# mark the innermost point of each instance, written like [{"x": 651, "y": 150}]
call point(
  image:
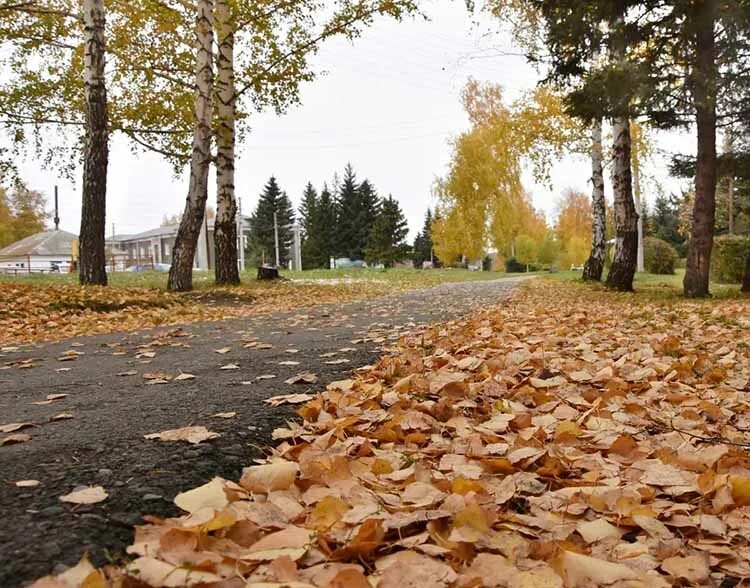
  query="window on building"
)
[{"x": 166, "y": 249}]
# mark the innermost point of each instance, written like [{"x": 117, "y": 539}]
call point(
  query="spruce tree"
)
[
  {"x": 327, "y": 226},
  {"x": 262, "y": 239},
  {"x": 308, "y": 208},
  {"x": 387, "y": 243},
  {"x": 358, "y": 207},
  {"x": 348, "y": 210},
  {"x": 423, "y": 245}
]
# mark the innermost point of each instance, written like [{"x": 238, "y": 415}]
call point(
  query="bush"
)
[
  {"x": 659, "y": 256},
  {"x": 513, "y": 266},
  {"x": 729, "y": 257}
]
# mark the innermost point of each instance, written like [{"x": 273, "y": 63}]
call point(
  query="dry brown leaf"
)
[
  {"x": 277, "y": 475},
  {"x": 14, "y": 439},
  {"x": 194, "y": 434}
]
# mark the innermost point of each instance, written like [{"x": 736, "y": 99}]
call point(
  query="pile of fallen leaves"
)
[
  {"x": 570, "y": 438},
  {"x": 46, "y": 312}
]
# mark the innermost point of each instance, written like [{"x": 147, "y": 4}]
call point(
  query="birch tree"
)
[
  {"x": 91, "y": 258},
  {"x": 183, "y": 256},
  {"x": 225, "y": 224},
  {"x": 594, "y": 267}
]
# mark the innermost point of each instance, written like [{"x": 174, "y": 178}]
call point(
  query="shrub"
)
[
  {"x": 659, "y": 257},
  {"x": 513, "y": 266},
  {"x": 728, "y": 258}
]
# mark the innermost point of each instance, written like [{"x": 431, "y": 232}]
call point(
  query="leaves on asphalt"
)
[
  {"x": 288, "y": 399},
  {"x": 558, "y": 440},
  {"x": 11, "y": 427},
  {"x": 86, "y": 495},
  {"x": 302, "y": 378},
  {"x": 193, "y": 434},
  {"x": 14, "y": 439}
]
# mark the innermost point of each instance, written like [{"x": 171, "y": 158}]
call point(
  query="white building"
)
[{"x": 47, "y": 251}]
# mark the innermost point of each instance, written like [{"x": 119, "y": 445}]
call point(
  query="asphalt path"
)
[{"x": 120, "y": 387}]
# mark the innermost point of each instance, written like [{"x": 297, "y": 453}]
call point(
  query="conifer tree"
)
[
  {"x": 262, "y": 246},
  {"x": 313, "y": 254},
  {"x": 387, "y": 243},
  {"x": 327, "y": 226},
  {"x": 348, "y": 210},
  {"x": 423, "y": 245}
]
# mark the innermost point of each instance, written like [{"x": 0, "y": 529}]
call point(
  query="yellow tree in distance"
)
[{"x": 481, "y": 201}]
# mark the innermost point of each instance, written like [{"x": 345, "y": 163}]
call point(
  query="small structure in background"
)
[{"x": 45, "y": 252}]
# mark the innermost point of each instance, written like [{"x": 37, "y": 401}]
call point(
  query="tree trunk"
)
[
  {"x": 92, "y": 263},
  {"x": 746, "y": 279},
  {"x": 594, "y": 267},
  {"x": 225, "y": 224},
  {"x": 704, "y": 208},
  {"x": 183, "y": 255},
  {"x": 623, "y": 267}
]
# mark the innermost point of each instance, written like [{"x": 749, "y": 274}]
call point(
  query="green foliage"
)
[
  {"x": 659, "y": 256},
  {"x": 664, "y": 222},
  {"x": 262, "y": 239},
  {"x": 387, "y": 244},
  {"x": 318, "y": 218},
  {"x": 423, "y": 247},
  {"x": 729, "y": 257},
  {"x": 358, "y": 207}
]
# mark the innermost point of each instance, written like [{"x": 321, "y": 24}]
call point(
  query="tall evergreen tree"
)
[
  {"x": 665, "y": 221},
  {"x": 262, "y": 245},
  {"x": 348, "y": 210},
  {"x": 387, "y": 243},
  {"x": 327, "y": 226},
  {"x": 358, "y": 207},
  {"x": 307, "y": 208},
  {"x": 423, "y": 245},
  {"x": 313, "y": 252}
]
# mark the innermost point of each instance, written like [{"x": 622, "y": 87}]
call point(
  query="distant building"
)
[
  {"x": 155, "y": 246},
  {"x": 48, "y": 251}
]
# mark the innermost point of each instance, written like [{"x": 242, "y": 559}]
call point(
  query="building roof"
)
[{"x": 44, "y": 243}]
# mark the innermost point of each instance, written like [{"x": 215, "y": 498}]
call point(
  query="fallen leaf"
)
[
  {"x": 302, "y": 378},
  {"x": 194, "y": 434},
  {"x": 184, "y": 376},
  {"x": 230, "y": 366},
  {"x": 88, "y": 495},
  {"x": 14, "y": 439},
  {"x": 10, "y": 427},
  {"x": 277, "y": 475},
  {"x": 27, "y": 483}
]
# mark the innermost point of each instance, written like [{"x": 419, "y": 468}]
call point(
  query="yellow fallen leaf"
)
[
  {"x": 277, "y": 475},
  {"x": 211, "y": 495},
  {"x": 89, "y": 495}
]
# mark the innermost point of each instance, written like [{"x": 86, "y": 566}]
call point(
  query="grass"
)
[
  {"x": 204, "y": 280},
  {"x": 662, "y": 287}
]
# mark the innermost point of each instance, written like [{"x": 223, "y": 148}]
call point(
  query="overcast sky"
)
[{"x": 388, "y": 103}]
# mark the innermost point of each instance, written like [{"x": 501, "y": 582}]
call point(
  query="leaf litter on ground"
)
[{"x": 567, "y": 438}]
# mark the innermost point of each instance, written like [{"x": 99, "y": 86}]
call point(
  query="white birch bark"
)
[
  {"x": 92, "y": 260},
  {"x": 181, "y": 272},
  {"x": 225, "y": 226}
]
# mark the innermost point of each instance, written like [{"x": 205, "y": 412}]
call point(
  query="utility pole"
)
[
  {"x": 297, "y": 246},
  {"x": 276, "y": 237},
  {"x": 57, "y": 212}
]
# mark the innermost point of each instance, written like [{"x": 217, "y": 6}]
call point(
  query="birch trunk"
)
[
  {"x": 704, "y": 208},
  {"x": 91, "y": 259},
  {"x": 621, "y": 272},
  {"x": 594, "y": 267},
  {"x": 183, "y": 255},
  {"x": 225, "y": 225}
]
